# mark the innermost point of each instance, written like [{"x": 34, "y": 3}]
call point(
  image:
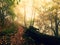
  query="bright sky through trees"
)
[
  {"x": 35, "y": 8},
  {"x": 27, "y": 7}
]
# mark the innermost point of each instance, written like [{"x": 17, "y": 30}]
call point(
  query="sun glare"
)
[
  {"x": 28, "y": 7},
  {"x": 25, "y": 7},
  {"x": 48, "y": 0}
]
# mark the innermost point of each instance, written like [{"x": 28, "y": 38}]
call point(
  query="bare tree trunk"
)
[{"x": 56, "y": 26}]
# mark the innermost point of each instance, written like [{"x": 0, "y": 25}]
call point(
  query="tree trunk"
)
[{"x": 56, "y": 26}]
